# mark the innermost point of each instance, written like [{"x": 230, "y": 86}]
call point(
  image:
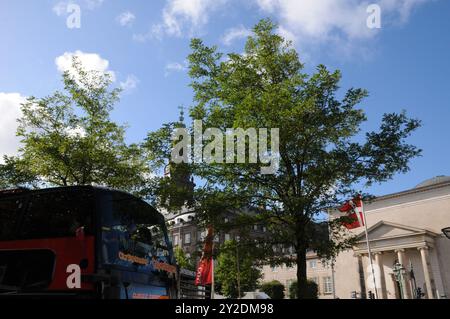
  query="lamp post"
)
[
  {"x": 446, "y": 232},
  {"x": 399, "y": 272}
]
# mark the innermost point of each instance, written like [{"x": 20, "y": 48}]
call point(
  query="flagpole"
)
[
  {"x": 368, "y": 249},
  {"x": 332, "y": 262},
  {"x": 212, "y": 278},
  {"x": 238, "y": 272}
]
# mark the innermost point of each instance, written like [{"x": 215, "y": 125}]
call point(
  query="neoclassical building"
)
[{"x": 409, "y": 250}]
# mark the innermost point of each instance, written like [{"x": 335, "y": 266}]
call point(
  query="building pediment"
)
[
  {"x": 390, "y": 236},
  {"x": 385, "y": 229}
]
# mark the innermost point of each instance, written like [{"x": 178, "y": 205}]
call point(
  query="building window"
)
[
  {"x": 175, "y": 240},
  {"x": 187, "y": 238},
  {"x": 227, "y": 237},
  {"x": 327, "y": 285},
  {"x": 313, "y": 264}
]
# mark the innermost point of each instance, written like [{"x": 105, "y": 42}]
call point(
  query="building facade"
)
[
  {"x": 185, "y": 233},
  {"x": 316, "y": 271},
  {"x": 410, "y": 254}
]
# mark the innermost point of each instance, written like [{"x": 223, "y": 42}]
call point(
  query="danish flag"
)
[
  {"x": 205, "y": 268},
  {"x": 354, "y": 209}
]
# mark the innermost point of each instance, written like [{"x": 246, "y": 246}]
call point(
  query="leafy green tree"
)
[
  {"x": 68, "y": 139},
  {"x": 312, "y": 292},
  {"x": 236, "y": 270},
  {"x": 14, "y": 172},
  {"x": 274, "y": 289},
  {"x": 182, "y": 260},
  {"x": 323, "y": 157}
]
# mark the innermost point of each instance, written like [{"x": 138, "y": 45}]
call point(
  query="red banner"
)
[{"x": 205, "y": 267}]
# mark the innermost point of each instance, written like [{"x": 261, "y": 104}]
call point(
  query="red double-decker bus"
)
[{"x": 115, "y": 242}]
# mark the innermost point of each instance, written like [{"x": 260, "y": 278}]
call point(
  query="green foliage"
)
[
  {"x": 182, "y": 260},
  {"x": 312, "y": 290},
  {"x": 226, "y": 271},
  {"x": 274, "y": 289},
  {"x": 324, "y": 159},
  {"x": 68, "y": 139}
]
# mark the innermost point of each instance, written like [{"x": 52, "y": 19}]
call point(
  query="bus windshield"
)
[{"x": 133, "y": 234}]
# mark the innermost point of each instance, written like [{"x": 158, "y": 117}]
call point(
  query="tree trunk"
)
[{"x": 302, "y": 288}]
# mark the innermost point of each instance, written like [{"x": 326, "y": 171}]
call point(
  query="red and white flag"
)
[
  {"x": 354, "y": 209},
  {"x": 205, "y": 268}
]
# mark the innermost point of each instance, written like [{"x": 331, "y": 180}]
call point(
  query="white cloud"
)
[
  {"x": 10, "y": 104},
  {"x": 126, "y": 19},
  {"x": 89, "y": 61},
  {"x": 233, "y": 34},
  {"x": 180, "y": 17},
  {"x": 155, "y": 32},
  {"x": 130, "y": 83},
  {"x": 175, "y": 67},
  {"x": 320, "y": 21},
  {"x": 286, "y": 34}
]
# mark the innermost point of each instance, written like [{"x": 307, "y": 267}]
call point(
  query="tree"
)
[
  {"x": 312, "y": 292},
  {"x": 68, "y": 139},
  {"x": 323, "y": 158},
  {"x": 274, "y": 289},
  {"x": 231, "y": 276},
  {"x": 182, "y": 260}
]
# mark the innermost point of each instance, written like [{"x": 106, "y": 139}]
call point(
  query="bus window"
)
[
  {"x": 58, "y": 214},
  {"x": 16, "y": 273},
  {"x": 133, "y": 233}
]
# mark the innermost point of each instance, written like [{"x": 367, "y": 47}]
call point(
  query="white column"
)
[
  {"x": 362, "y": 277},
  {"x": 429, "y": 281},
  {"x": 405, "y": 283},
  {"x": 382, "y": 293}
]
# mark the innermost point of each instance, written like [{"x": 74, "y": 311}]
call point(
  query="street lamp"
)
[
  {"x": 446, "y": 232},
  {"x": 399, "y": 273}
]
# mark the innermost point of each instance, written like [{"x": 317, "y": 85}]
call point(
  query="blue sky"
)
[{"x": 405, "y": 64}]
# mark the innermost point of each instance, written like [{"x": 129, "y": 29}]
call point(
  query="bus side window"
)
[{"x": 57, "y": 214}]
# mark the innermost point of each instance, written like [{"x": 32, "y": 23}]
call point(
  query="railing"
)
[{"x": 187, "y": 287}]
